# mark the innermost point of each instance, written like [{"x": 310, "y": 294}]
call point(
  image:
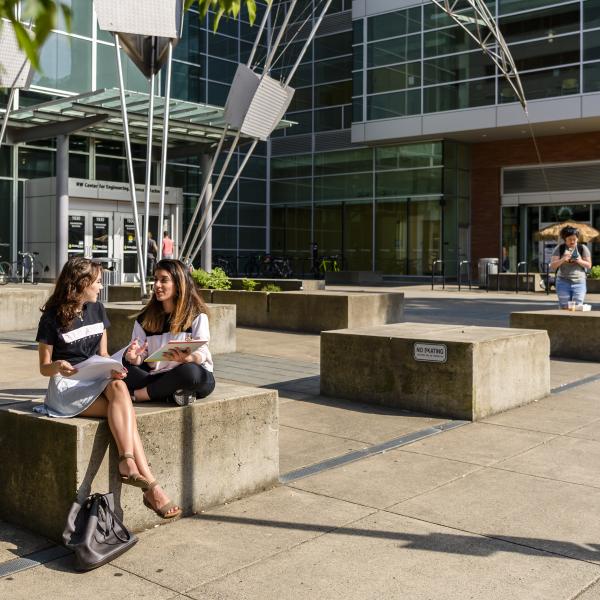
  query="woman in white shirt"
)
[{"x": 175, "y": 312}]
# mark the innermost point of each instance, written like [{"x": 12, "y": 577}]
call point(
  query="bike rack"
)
[
  {"x": 433, "y": 275},
  {"x": 519, "y": 265},
  {"x": 460, "y": 266}
]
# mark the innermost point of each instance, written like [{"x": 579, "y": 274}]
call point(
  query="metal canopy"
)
[{"x": 98, "y": 114}]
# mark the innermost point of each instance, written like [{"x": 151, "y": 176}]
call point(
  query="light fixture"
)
[{"x": 550, "y": 36}]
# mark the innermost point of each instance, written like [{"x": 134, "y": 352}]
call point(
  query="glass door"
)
[
  {"x": 101, "y": 235},
  {"x": 76, "y": 243}
]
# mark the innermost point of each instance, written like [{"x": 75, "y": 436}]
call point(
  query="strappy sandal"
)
[
  {"x": 135, "y": 479},
  {"x": 162, "y": 511}
]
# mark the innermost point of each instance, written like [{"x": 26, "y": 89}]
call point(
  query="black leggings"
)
[{"x": 188, "y": 376}]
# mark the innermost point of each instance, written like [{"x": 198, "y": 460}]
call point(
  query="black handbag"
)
[{"x": 95, "y": 533}]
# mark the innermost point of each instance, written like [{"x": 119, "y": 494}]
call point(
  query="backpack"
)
[
  {"x": 561, "y": 251},
  {"x": 563, "y": 247}
]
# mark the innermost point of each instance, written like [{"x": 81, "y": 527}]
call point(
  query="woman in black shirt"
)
[{"x": 71, "y": 330}]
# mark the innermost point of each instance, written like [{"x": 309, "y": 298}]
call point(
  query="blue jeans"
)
[{"x": 570, "y": 290}]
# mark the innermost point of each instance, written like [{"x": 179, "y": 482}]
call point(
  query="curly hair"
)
[
  {"x": 77, "y": 274},
  {"x": 188, "y": 302}
]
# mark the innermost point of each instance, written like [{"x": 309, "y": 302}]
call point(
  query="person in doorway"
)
[
  {"x": 72, "y": 329},
  {"x": 175, "y": 312},
  {"x": 505, "y": 260},
  {"x": 167, "y": 246},
  {"x": 151, "y": 254},
  {"x": 570, "y": 261}
]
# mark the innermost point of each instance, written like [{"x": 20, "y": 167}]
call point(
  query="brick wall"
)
[{"x": 488, "y": 158}]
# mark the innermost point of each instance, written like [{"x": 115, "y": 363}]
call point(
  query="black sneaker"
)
[{"x": 184, "y": 397}]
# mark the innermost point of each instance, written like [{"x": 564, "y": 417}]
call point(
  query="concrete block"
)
[
  {"x": 124, "y": 293},
  {"x": 455, "y": 371},
  {"x": 206, "y": 295},
  {"x": 508, "y": 282},
  {"x": 354, "y": 277},
  {"x": 216, "y": 450},
  {"x": 221, "y": 318},
  {"x": 20, "y": 306},
  {"x": 319, "y": 311},
  {"x": 572, "y": 334},
  {"x": 252, "y": 307}
]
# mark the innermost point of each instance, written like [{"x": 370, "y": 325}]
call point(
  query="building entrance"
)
[{"x": 100, "y": 223}]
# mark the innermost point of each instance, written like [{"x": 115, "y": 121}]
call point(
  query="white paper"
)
[{"x": 96, "y": 367}]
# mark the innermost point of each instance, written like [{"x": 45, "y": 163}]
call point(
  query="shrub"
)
[
  {"x": 595, "y": 272},
  {"x": 249, "y": 285},
  {"x": 270, "y": 287},
  {"x": 215, "y": 280}
]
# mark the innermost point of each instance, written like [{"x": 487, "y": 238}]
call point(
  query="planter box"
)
[
  {"x": 593, "y": 286},
  {"x": 286, "y": 285},
  {"x": 221, "y": 320},
  {"x": 252, "y": 307}
]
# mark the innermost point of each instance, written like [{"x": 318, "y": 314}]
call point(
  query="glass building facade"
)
[{"x": 392, "y": 206}]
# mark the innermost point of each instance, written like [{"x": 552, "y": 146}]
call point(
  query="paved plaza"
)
[{"x": 374, "y": 502}]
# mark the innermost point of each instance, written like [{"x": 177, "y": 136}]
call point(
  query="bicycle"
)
[
  {"x": 276, "y": 267},
  {"x": 23, "y": 270},
  {"x": 329, "y": 264},
  {"x": 224, "y": 264},
  {"x": 252, "y": 266}
]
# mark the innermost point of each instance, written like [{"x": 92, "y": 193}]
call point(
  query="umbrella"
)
[{"x": 586, "y": 232}]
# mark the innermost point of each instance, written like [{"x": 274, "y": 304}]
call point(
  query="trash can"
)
[
  {"x": 111, "y": 275},
  {"x": 484, "y": 270}
]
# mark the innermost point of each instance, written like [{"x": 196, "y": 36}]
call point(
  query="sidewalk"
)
[{"x": 505, "y": 508}]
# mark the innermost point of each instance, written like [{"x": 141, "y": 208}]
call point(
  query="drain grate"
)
[
  {"x": 32, "y": 560},
  {"x": 332, "y": 463}
]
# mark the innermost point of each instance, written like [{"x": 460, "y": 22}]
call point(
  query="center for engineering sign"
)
[{"x": 430, "y": 352}]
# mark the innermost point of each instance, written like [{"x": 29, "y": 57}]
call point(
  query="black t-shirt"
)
[{"x": 79, "y": 341}]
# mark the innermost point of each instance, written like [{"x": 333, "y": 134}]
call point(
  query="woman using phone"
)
[
  {"x": 72, "y": 329},
  {"x": 570, "y": 261},
  {"x": 175, "y": 312}
]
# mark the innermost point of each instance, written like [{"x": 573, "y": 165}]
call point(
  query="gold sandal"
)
[
  {"x": 135, "y": 479},
  {"x": 162, "y": 511}
]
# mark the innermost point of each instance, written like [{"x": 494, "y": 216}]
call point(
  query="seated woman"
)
[
  {"x": 570, "y": 261},
  {"x": 71, "y": 330},
  {"x": 175, "y": 312}
]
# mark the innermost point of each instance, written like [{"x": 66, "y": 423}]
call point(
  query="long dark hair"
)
[
  {"x": 188, "y": 302},
  {"x": 77, "y": 274}
]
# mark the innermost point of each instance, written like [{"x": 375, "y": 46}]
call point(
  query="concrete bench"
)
[
  {"x": 214, "y": 451},
  {"x": 455, "y": 371},
  {"x": 221, "y": 318},
  {"x": 313, "y": 312},
  {"x": 20, "y": 306},
  {"x": 572, "y": 334}
]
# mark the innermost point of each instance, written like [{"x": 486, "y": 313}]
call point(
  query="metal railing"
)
[{"x": 443, "y": 273}]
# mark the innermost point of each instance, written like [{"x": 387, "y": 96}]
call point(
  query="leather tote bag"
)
[{"x": 95, "y": 533}]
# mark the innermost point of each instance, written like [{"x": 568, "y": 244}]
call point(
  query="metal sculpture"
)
[
  {"x": 147, "y": 30},
  {"x": 15, "y": 70},
  {"x": 485, "y": 32}
]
